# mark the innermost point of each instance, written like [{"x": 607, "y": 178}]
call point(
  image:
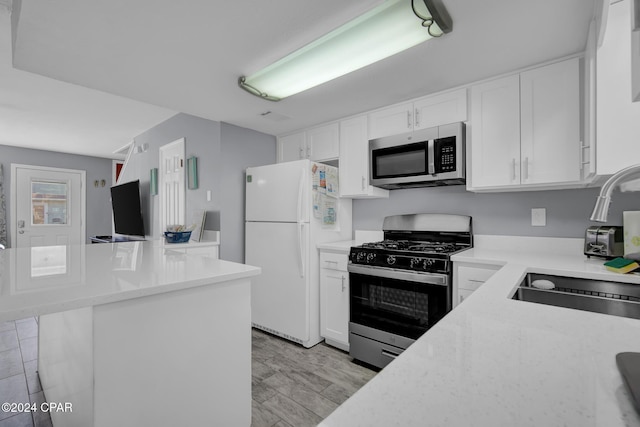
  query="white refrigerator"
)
[{"x": 290, "y": 208}]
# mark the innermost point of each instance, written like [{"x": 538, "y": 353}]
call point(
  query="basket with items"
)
[{"x": 178, "y": 233}]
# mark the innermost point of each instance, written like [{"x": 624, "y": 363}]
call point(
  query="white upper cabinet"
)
[
  {"x": 440, "y": 109},
  {"x": 550, "y": 123},
  {"x": 436, "y": 110},
  {"x": 617, "y": 117},
  {"x": 354, "y": 160},
  {"x": 495, "y": 133},
  {"x": 323, "y": 143},
  {"x": 525, "y": 129},
  {"x": 318, "y": 144},
  {"x": 292, "y": 147},
  {"x": 391, "y": 121}
]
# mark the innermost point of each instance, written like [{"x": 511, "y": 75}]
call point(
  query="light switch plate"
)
[{"x": 539, "y": 217}]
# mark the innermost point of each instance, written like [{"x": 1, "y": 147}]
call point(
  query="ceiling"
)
[
  {"x": 42, "y": 113},
  {"x": 187, "y": 56}
]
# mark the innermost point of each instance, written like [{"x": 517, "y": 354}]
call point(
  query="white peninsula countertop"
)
[
  {"x": 494, "y": 361},
  {"x": 128, "y": 328},
  {"x": 50, "y": 279}
]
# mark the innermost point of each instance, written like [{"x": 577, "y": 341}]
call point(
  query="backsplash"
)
[{"x": 506, "y": 213}]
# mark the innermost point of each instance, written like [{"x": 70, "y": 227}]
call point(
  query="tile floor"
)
[
  {"x": 291, "y": 385},
  {"x": 19, "y": 382},
  {"x": 298, "y": 387}
]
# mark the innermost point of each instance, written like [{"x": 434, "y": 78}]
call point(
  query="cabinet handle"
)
[
  {"x": 513, "y": 169},
  {"x": 417, "y": 113},
  {"x": 362, "y": 182},
  {"x": 526, "y": 168},
  {"x": 409, "y": 119},
  {"x": 308, "y": 152},
  {"x": 343, "y": 286},
  {"x": 301, "y": 153}
]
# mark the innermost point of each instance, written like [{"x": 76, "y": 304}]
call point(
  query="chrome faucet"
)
[{"x": 601, "y": 209}]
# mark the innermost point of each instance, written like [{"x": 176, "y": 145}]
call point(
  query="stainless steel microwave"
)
[{"x": 424, "y": 158}]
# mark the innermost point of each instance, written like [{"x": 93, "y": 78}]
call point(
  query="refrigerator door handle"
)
[
  {"x": 300, "y": 247},
  {"x": 300, "y": 195}
]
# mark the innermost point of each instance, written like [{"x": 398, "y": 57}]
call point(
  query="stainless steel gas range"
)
[{"x": 402, "y": 286}]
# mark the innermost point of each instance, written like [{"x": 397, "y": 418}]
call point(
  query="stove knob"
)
[
  {"x": 361, "y": 256},
  {"x": 391, "y": 259},
  {"x": 427, "y": 263},
  {"x": 415, "y": 263},
  {"x": 370, "y": 258}
]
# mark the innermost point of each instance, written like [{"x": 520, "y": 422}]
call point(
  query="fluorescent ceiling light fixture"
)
[{"x": 388, "y": 29}]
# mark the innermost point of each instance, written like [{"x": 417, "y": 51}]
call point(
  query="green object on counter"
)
[{"x": 621, "y": 265}]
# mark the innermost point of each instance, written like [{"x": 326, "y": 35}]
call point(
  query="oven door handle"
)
[{"x": 393, "y": 273}]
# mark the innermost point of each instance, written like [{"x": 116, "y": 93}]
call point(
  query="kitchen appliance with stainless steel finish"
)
[
  {"x": 402, "y": 286},
  {"x": 423, "y": 158},
  {"x": 604, "y": 241}
]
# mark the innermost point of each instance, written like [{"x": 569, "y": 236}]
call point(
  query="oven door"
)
[{"x": 406, "y": 305}]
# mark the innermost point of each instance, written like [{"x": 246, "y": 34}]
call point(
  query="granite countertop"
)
[
  {"x": 50, "y": 279},
  {"x": 494, "y": 361}
]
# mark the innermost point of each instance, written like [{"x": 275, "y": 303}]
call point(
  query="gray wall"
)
[
  {"x": 224, "y": 151},
  {"x": 98, "y": 199},
  {"x": 202, "y": 139},
  {"x": 241, "y": 148},
  {"x": 568, "y": 211}
]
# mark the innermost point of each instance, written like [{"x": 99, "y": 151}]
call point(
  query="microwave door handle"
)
[{"x": 431, "y": 168}]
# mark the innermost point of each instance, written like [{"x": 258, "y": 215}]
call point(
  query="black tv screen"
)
[{"x": 127, "y": 212}]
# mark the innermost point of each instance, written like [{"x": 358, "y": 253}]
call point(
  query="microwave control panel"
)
[{"x": 445, "y": 153}]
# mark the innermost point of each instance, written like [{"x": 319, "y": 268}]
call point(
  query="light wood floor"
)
[{"x": 298, "y": 387}]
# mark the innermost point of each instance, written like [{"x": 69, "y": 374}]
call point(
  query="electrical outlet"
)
[{"x": 539, "y": 217}]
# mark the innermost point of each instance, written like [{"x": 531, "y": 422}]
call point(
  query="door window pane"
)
[{"x": 49, "y": 203}]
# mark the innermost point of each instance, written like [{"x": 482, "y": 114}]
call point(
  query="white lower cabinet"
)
[
  {"x": 334, "y": 299},
  {"x": 468, "y": 277}
]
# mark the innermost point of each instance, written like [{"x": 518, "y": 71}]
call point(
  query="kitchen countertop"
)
[
  {"x": 50, "y": 279},
  {"x": 494, "y": 361}
]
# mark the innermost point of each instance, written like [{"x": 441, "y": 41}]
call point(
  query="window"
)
[{"x": 49, "y": 203}]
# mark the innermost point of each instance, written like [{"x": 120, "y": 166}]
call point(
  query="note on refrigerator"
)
[{"x": 329, "y": 211}]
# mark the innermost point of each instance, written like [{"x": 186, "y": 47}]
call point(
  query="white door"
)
[
  {"x": 278, "y": 193},
  {"x": 48, "y": 206},
  {"x": 391, "y": 121},
  {"x": 323, "y": 143},
  {"x": 172, "y": 184},
  {"x": 335, "y": 304},
  {"x": 550, "y": 120},
  {"x": 292, "y": 147},
  {"x": 280, "y": 294},
  {"x": 495, "y": 133},
  {"x": 441, "y": 109}
]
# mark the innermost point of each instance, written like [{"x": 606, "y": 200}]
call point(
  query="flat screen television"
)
[{"x": 127, "y": 211}]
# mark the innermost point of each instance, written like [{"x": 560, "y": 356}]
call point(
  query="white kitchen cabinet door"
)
[
  {"x": 617, "y": 123},
  {"x": 291, "y": 147},
  {"x": 440, "y": 109},
  {"x": 495, "y": 133},
  {"x": 391, "y": 121},
  {"x": 323, "y": 143},
  {"x": 354, "y": 160},
  {"x": 334, "y": 299},
  {"x": 550, "y": 123},
  {"x": 335, "y": 305}
]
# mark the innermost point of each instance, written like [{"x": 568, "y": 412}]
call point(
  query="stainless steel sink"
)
[{"x": 599, "y": 296}]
